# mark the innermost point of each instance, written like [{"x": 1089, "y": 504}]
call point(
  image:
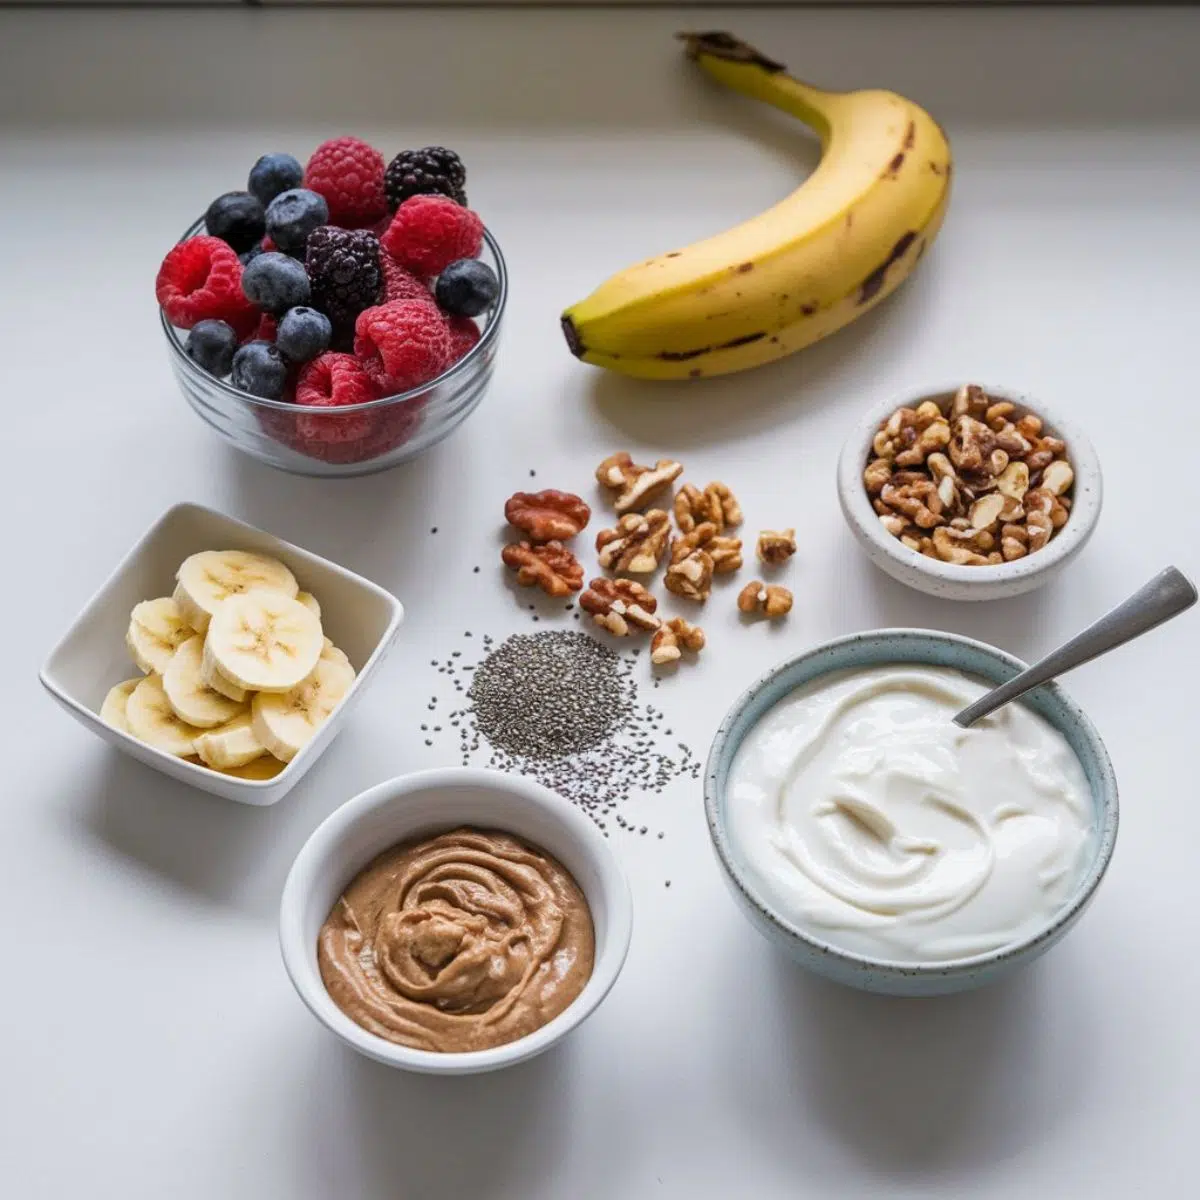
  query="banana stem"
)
[{"x": 738, "y": 66}]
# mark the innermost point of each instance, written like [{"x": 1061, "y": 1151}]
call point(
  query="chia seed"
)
[{"x": 562, "y": 707}]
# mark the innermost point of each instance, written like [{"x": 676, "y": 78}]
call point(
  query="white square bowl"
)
[{"x": 358, "y": 615}]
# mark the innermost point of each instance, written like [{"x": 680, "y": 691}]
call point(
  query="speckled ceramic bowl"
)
[
  {"x": 928, "y": 649},
  {"x": 948, "y": 580}
]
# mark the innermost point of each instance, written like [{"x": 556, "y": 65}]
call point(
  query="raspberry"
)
[
  {"x": 349, "y": 174},
  {"x": 343, "y": 265},
  {"x": 464, "y": 333},
  {"x": 264, "y": 332},
  {"x": 201, "y": 280},
  {"x": 402, "y": 344},
  {"x": 430, "y": 232},
  {"x": 401, "y": 284},
  {"x": 333, "y": 381}
]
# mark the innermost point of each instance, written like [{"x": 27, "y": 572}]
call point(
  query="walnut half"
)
[
  {"x": 637, "y": 543},
  {"x": 769, "y": 599},
  {"x": 776, "y": 547},
  {"x": 635, "y": 485},
  {"x": 550, "y": 566},
  {"x": 547, "y": 516},
  {"x": 672, "y": 638},
  {"x": 619, "y": 605}
]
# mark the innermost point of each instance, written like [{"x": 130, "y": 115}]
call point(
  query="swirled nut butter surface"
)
[
  {"x": 459, "y": 942},
  {"x": 871, "y": 821}
]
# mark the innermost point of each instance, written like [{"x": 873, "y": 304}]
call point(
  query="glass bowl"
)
[{"x": 357, "y": 439}]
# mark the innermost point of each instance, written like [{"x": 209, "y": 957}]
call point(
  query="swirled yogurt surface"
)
[{"x": 867, "y": 818}]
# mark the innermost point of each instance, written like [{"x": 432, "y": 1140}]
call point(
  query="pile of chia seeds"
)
[{"x": 563, "y": 708}]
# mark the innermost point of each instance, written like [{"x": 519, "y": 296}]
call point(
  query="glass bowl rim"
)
[{"x": 488, "y": 335}]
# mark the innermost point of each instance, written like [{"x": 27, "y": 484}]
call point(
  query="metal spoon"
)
[{"x": 1164, "y": 597}]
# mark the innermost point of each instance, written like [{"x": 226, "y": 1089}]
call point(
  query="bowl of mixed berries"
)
[{"x": 340, "y": 317}]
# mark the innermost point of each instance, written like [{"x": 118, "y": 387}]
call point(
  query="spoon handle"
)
[{"x": 1164, "y": 597}]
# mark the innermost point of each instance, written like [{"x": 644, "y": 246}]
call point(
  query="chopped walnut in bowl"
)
[{"x": 969, "y": 492}]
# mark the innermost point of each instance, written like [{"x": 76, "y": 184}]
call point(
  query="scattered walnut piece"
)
[
  {"x": 775, "y": 547},
  {"x": 974, "y": 467},
  {"x": 725, "y": 552},
  {"x": 635, "y": 485},
  {"x": 619, "y": 604},
  {"x": 547, "y": 516},
  {"x": 716, "y": 504},
  {"x": 690, "y": 575},
  {"x": 550, "y": 566},
  {"x": 767, "y": 598},
  {"x": 637, "y": 544},
  {"x": 672, "y": 638}
]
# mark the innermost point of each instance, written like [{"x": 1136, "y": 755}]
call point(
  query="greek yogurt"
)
[{"x": 869, "y": 820}]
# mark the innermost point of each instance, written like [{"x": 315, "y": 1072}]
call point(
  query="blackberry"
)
[
  {"x": 433, "y": 169},
  {"x": 343, "y": 266}
]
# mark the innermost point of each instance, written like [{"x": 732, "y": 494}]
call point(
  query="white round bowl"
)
[
  {"x": 948, "y": 580},
  {"x": 426, "y": 803}
]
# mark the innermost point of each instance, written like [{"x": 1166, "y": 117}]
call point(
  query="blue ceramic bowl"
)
[{"x": 927, "y": 648}]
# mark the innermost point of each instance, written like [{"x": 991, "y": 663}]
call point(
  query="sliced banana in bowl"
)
[
  {"x": 157, "y": 628},
  {"x": 151, "y": 719},
  {"x": 264, "y": 641},
  {"x": 286, "y": 723},
  {"x": 233, "y": 744},
  {"x": 112, "y": 711},
  {"x": 206, "y": 580},
  {"x": 191, "y": 699}
]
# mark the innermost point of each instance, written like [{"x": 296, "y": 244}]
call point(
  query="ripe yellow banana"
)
[{"x": 834, "y": 248}]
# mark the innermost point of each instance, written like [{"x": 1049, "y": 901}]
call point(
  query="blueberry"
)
[
  {"x": 303, "y": 333},
  {"x": 292, "y": 216},
  {"x": 467, "y": 287},
  {"x": 275, "y": 282},
  {"x": 274, "y": 173},
  {"x": 237, "y": 218},
  {"x": 210, "y": 345},
  {"x": 258, "y": 368}
]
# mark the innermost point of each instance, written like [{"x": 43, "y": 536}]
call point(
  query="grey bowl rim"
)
[
  {"x": 459, "y": 369},
  {"x": 1108, "y": 816},
  {"x": 864, "y": 522}
]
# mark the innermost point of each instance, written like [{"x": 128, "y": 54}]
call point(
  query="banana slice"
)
[
  {"x": 151, "y": 720},
  {"x": 206, "y": 580},
  {"x": 264, "y": 641},
  {"x": 286, "y": 724},
  {"x": 191, "y": 699},
  {"x": 157, "y": 628},
  {"x": 310, "y": 602},
  {"x": 233, "y": 744},
  {"x": 265, "y": 767},
  {"x": 112, "y": 711},
  {"x": 212, "y": 677}
]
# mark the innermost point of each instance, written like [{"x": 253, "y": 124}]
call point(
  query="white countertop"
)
[{"x": 153, "y": 1044}]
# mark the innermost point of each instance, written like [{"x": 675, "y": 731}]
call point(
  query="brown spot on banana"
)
[
  {"x": 871, "y": 286},
  {"x": 910, "y": 135},
  {"x": 742, "y": 268},
  {"x": 673, "y": 254},
  {"x": 809, "y": 308},
  {"x": 893, "y": 167},
  {"x": 685, "y": 355}
]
